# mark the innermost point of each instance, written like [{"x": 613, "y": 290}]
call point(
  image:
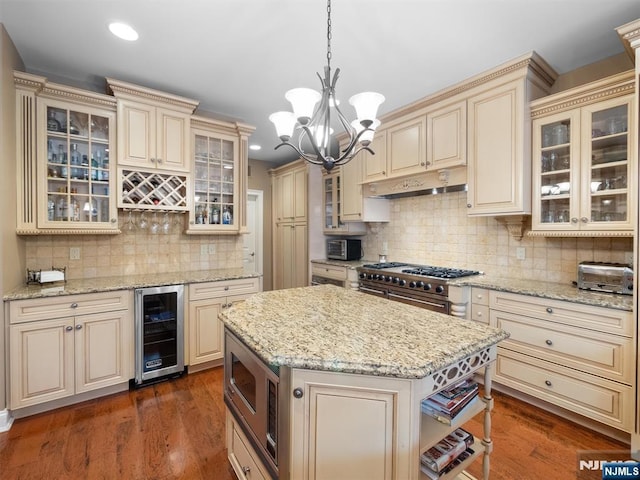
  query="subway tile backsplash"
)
[
  {"x": 435, "y": 229},
  {"x": 139, "y": 252}
]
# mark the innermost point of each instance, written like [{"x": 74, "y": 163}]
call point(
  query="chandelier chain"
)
[{"x": 328, "y": 32}]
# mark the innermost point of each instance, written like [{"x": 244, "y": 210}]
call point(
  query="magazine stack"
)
[
  {"x": 447, "y": 404},
  {"x": 447, "y": 454}
]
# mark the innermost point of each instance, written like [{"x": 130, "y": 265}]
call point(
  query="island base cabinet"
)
[
  {"x": 372, "y": 416},
  {"x": 241, "y": 456}
]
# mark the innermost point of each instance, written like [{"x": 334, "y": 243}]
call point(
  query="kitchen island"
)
[{"x": 353, "y": 370}]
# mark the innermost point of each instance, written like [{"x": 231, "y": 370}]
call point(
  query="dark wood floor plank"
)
[{"x": 175, "y": 430}]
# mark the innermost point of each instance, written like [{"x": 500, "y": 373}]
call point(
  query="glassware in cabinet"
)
[
  {"x": 215, "y": 171},
  {"x": 77, "y": 169},
  {"x": 609, "y": 166}
]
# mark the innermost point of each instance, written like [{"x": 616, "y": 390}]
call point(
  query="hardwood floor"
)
[{"x": 175, "y": 430}]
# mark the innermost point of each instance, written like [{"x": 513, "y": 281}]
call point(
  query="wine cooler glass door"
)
[{"x": 159, "y": 332}]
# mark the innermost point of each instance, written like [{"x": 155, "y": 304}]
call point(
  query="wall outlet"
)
[
  {"x": 212, "y": 249},
  {"x": 385, "y": 248},
  {"x": 521, "y": 253},
  {"x": 204, "y": 250},
  {"x": 74, "y": 253}
]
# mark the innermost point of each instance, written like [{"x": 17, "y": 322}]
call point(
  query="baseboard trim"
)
[{"x": 6, "y": 420}]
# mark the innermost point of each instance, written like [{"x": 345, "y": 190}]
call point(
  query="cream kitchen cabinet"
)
[
  {"x": 382, "y": 429},
  {"x": 241, "y": 454},
  {"x": 290, "y": 232},
  {"x": 480, "y": 305},
  {"x": 499, "y": 165},
  {"x": 578, "y": 357},
  {"x": 447, "y": 136},
  {"x": 205, "y": 331},
  {"x": 406, "y": 147},
  {"x": 583, "y": 156},
  {"x": 153, "y": 128},
  {"x": 291, "y": 254},
  {"x": 66, "y": 179},
  {"x": 219, "y": 169},
  {"x": 332, "y": 198},
  {"x": 69, "y": 345},
  {"x": 374, "y": 167}
]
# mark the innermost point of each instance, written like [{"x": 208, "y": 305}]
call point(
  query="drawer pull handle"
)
[
  {"x": 548, "y": 342},
  {"x": 74, "y": 305},
  {"x": 246, "y": 470},
  {"x": 68, "y": 328},
  {"x": 549, "y": 310},
  {"x": 547, "y": 383}
]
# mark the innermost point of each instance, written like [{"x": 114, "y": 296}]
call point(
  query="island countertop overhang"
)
[{"x": 340, "y": 330}]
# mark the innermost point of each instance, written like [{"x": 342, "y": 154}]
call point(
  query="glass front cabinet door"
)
[
  {"x": 75, "y": 173},
  {"x": 581, "y": 165},
  {"x": 215, "y": 183}
]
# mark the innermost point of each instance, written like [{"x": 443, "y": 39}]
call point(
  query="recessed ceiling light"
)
[
  {"x": 254, "y": 147},
  {"x": 123, "y": 31}
]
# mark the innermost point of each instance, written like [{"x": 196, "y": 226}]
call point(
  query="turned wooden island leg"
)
[{"x": 486, "y": 440}]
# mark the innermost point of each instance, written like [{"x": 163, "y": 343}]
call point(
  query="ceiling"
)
[{"x": 238, "y": 57}]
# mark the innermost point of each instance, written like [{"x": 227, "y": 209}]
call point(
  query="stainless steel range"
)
[{"x": 424, "y": 286}]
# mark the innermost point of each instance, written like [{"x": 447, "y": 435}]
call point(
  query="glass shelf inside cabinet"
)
[
  {"x": 609, "y": 165},
  {"x": 214, "y": 181},
  {"x": 77, "y": 167}
]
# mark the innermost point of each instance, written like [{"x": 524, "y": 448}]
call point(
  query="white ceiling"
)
[{"x": 238, "y": 57}]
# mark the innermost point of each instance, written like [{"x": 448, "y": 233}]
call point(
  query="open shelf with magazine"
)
[{"x": 446, "y": 448}]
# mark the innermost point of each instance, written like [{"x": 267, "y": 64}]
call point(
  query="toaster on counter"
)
[{"x": 606, "y": 277}]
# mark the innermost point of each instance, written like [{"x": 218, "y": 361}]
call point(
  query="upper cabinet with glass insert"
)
[
  {"x": 65, "y": 168},
  {"x": 582, "y": 160},
  {"x": 219, "y": 176}
]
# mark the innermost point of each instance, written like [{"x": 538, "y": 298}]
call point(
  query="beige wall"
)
[
  {"x": 12, "y": 249},
  {"x": 259, "y": 179},
  {"x": 435, "y": 229}
]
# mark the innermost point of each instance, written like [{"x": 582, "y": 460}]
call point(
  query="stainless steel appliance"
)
[
  {"x": 606, "y": 277},
  {"x": 159, "y": 319},
  {"x": 251, "y": 392},
  {"x": 344, "y": 248},
  {"x": 424, "y": 286}
]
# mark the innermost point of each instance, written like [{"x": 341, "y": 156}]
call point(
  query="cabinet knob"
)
[
  {"x": 298, "y": 393},
  {"x": 468, "y": 205},
  {"x": 73, "y": 305},
  {"x": 479, "y": 314},
  {"x": 574, "y": 220},
  {"x": 549, "y": 310},
  {"x": 422, "y": 164},
  {"x": 548, "y": 342},
  {"x": 79, "y": 327},
  {"x": 159, "y": 160},
  {"x": 584, "y": 219},
  {"x": 227, "y": 287},
  {"x": 246, "y": 470},
  {"x": 68, "y": 328},
  {"x": 547, "y": 383},
  {"x": 114, "y": 220},
  {"x": 384, "y": 173}
]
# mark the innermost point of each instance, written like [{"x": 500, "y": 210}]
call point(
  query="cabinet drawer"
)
[
  {"x": 68, "y": 305},
  {"x": 603, "y": 354},
  {"x": 241, "y": 455},
  {"x": 329, "y": 271},
  {"x": 602, "y": 319},
  {"x": 607, "y": 402},
  {"x": 479, "y": 296},
  {"x": 199, "y": 291},
  {"x": 480, "y": 313}
]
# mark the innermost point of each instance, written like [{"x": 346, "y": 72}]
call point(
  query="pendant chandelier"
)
[{"x": 312, "y": 124}]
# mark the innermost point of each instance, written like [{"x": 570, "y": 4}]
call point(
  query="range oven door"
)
[
  {"x": 418, "y": 299},
  {"x": 251, "y": 393},
  {"x": 373, "y": 289}
]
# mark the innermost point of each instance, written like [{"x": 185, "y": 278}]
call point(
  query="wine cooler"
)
[{"x": 159, "y": 317}]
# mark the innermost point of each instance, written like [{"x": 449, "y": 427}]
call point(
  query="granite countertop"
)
[
  {"x": 342, "y": 330},
  {"x": 551, "y": 290},
  {"x": 125, "y": 282},
  {"x": 351, "y": 264}
]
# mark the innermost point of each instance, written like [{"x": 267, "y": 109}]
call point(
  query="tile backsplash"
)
[
  {"x": 139, "y": 252},
  {"x": 435, "y": 229}
]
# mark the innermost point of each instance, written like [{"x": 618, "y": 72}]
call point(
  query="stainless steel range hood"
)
[{"x": 427, "y": 183}]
